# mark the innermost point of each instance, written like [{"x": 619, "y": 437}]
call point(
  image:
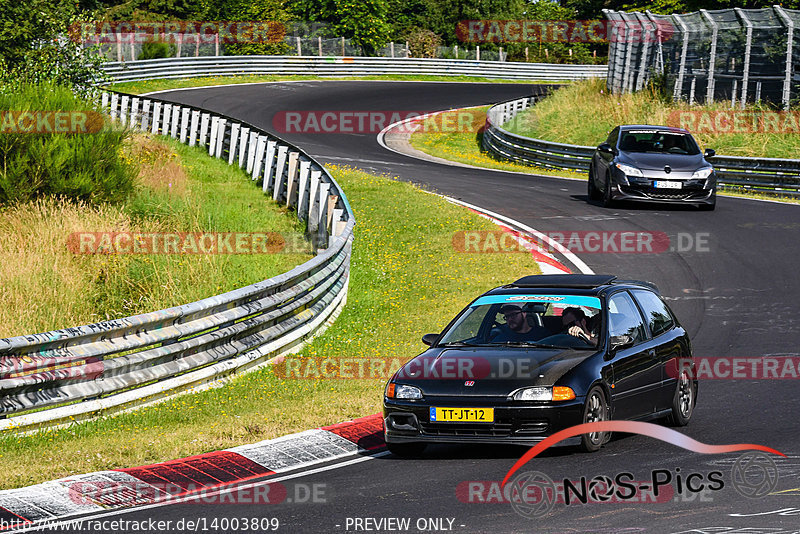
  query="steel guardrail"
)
[
  {"x": 763, "y": 175},
  {"x": 65, "y": 375},
  {"x": 344, "y": 66}
]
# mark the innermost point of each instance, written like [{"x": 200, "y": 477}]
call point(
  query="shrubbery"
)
[
  {"x": 86, "y": 166},
  {"x": 157, "y": 50}
]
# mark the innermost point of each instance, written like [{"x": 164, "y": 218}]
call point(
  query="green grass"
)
[
  {"x": 407, "y": 279},
  {"x": 583, "y": 114},
  {"x": 148, "y": 86},
  {"x": 465, "y": 147},
  {"x": 178, "y": 189}
]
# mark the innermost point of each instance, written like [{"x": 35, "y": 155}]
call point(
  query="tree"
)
[{"x": 364, "y": 22}]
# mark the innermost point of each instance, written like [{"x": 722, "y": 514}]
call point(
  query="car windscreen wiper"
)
[{"x": 461, "y": 344}]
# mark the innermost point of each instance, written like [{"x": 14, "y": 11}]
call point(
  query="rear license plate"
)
[
  {"x": 661, "y": 184},
  {"x": 462, "y": 415}
]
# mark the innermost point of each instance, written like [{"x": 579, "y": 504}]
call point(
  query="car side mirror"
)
[
  {"x": 429, "y": 339},
  {"x": 709, "y": 153},
  {"x": 620, "y": 342},
  {"x": 605, "y": 148}
]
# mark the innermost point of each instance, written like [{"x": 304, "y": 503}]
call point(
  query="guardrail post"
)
[
  {"x": 114, "y": 101},
  {"x": 212, "y": 142},
  {"x": 280, "y": 167},
  {"x": 123, "y": 110},
  {"x": 135, "y": 112},
  {"x": 291, "y": 180},
  {"x": 204, "y": 119},
  {"x": 193, "y": 131},
  {"x": 259, "y": 158},
  {"x": 232, "y": 146},
  {"x": 156, "y": 118},
  {"x": 322, "y": 222},
  {"x": 302, "y": 190},
  {"x": 313, "y": 206},
  {"x": 338, "y": 223},
  {"x": 185, "y": 113},
  {"x": 104, "y": 101},
  {"x": 146, "y": 114},
  {"x": 251, "y": 151},
  {"x": 221, "y": 127},
  {"x": 243, "y": 138},
  {"x": 176, "y": 117},
  {"x": 165, "y": 119},
  {"x": 269, "y": 172}
]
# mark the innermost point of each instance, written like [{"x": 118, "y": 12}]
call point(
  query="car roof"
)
[
  {"x": 571, "y": 284},
  {"x": 626, "y": 127}
]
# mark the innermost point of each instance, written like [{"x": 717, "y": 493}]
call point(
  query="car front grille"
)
[
  {"x": 665, "y": 194},
  {"x": 497, "y": 429}
]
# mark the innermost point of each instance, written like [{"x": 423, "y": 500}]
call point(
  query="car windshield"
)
[
  {"x": 658, "y": 141},
  {"x": 534, "y": 320}
]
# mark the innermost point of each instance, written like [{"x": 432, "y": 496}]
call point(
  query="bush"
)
[
  {"x": 84, "y": 166},
  {"x": 423, "y": 43},
  {"x": 157, "y": 50}
]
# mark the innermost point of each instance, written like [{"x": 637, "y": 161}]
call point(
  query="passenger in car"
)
[{"x": 576, "y": 323}]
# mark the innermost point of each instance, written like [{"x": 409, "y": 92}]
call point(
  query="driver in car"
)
[
  {"x": 576, "y": 324},
  {"x": 518, "y": 325}
]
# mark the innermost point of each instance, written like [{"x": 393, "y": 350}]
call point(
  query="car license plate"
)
[
  {"x": 661, "y": 184},
  {"x": 462, "y": 415}
]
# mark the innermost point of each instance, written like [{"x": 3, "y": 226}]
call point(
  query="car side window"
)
[
  {"x": 613, "y": 136},
  {"x": 624, "y": 318},
  {"x": 655, "y": 311}
]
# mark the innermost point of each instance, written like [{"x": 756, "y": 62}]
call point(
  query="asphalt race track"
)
[{"x": 737, "y": 295}]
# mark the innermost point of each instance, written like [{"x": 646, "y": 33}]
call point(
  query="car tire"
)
[
  {"x": 683, "y": 401},
  {"x": 608, "y": 201},
  {"x": 406, "y": 450},
  {"x": 592, "y": 191},
  {"x": 595, "y": 409}
]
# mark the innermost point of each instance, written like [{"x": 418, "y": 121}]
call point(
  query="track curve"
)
[{"x": 738, "y": 298}]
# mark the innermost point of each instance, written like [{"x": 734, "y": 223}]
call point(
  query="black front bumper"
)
[
  {"x": 692, "y": 192},
  {"x": 518, "y": 424}
]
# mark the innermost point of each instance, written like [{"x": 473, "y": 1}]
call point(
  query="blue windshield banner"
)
[{"x": 557, "y": 300}]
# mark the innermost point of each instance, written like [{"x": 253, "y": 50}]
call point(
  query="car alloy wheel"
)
[
  {"x": 683, "y": 401},
  {"x": 595, "y": 409}
]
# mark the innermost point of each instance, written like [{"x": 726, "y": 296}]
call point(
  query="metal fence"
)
[
  {"x": 736, "y": 55},
  {"x": 128, "y": 46},
  {"x": 764, "y": 175},
  {"x": 111, "y": 365},
  {"x": 345, "y": 66}
]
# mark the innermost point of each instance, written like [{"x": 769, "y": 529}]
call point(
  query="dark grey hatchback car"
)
[{"x": 652, "y": 163}]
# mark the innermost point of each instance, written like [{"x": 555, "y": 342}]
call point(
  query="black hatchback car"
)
[
  {"x": 544, "y": 353},
  {"x": 652, "y": 163}
]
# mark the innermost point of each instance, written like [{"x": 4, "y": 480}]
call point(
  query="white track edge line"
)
[{"x": 65, "y": 521}]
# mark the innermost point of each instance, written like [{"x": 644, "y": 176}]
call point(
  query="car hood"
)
[
  {"x": 653, "y": 161},
  {"x": 495, "y": 371}
]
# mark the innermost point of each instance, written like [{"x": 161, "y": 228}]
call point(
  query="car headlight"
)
[
  {"x": 400, "y": 391},
  {"x": 629, "y": 170},
  {"x": 703, "y": 173},
  {"x": 556, "y": 393}
]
